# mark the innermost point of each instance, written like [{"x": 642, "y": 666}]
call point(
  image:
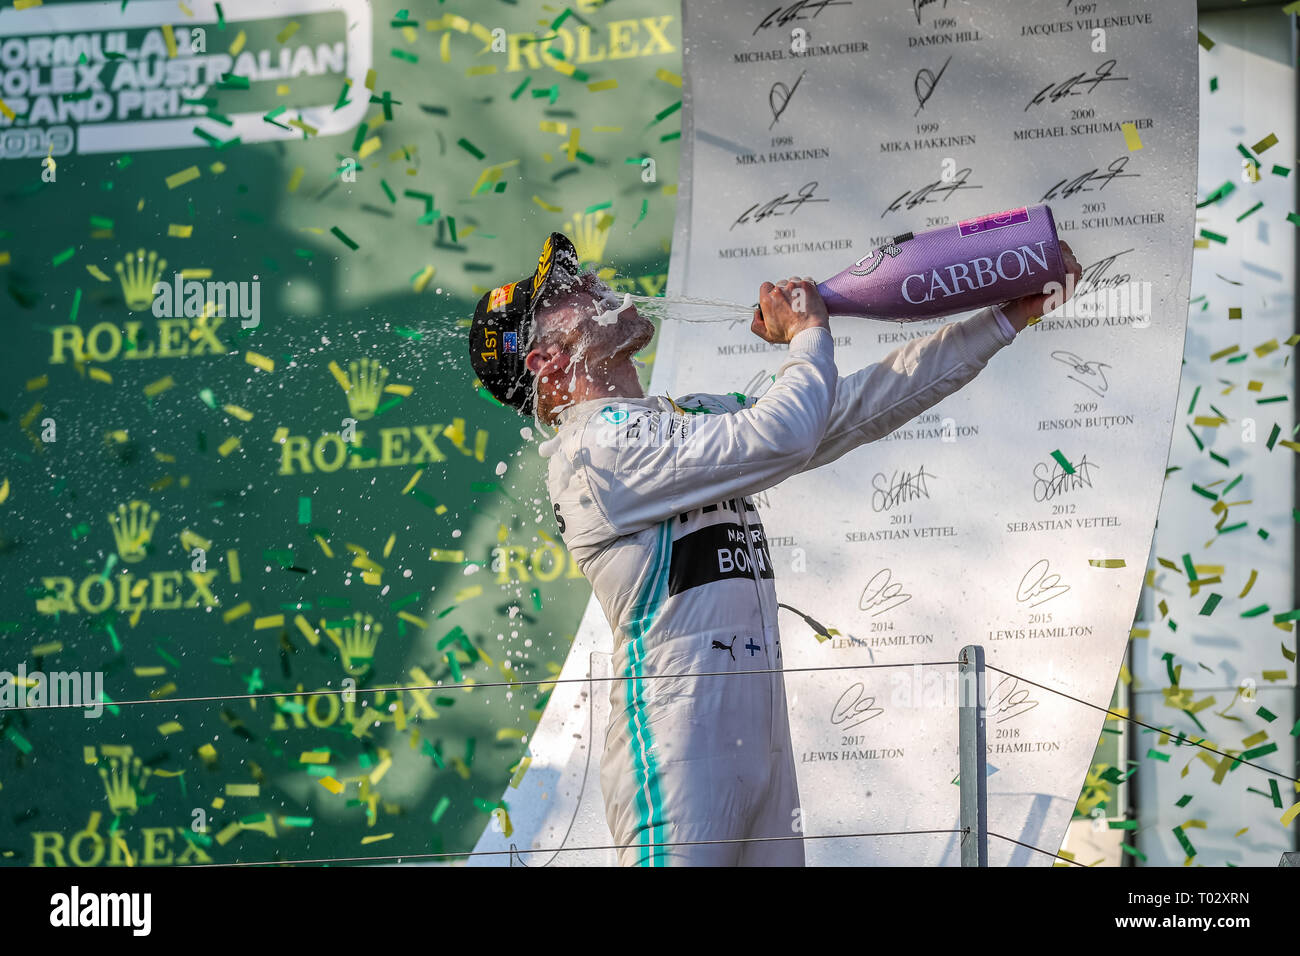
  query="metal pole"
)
[{"x": 972, "y": 752}]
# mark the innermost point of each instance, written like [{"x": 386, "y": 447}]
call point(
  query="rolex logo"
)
[
  {"x": 138, "y": 276},
  {"x": 590, "y": 232},
  {"x": 133, "y": 529},
  {"x": 356, "y": 643},
  {"x": 363, "y": 384},
  {"x": 543, "y": 265},
  {"x": 124, "y": 779}
]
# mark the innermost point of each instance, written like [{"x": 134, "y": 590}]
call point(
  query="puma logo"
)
[{"x": 719, "y": 646}]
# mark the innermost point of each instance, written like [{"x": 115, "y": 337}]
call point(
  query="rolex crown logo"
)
[
  {"x": 133, "y": 529},
  {"x": 356, "y": 643},
  {"x": 590, "y": 232},
  {"x": 138, "y": 276},
  {"x": 124, "y": 779},
  {"x": 543, "y": 265},
  {"x": 364, "y": 385}
]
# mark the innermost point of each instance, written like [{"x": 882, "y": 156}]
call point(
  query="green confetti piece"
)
[
  {"x": 1168, "y": 658},
  {"x": 76, "y": 305},
  {"x": 343, "y": 238},
  {"x": 1233, "y": 527},
  {"x": 667, "y": 111},
  {"x": 1210, "y": 604},
  {"x": 388, "y": 191},
  {"x": 1252, "y": 209},
  {"x": 221, "y": 18},
  {"x": 403, "y": 55},
  {"x": 537, "y": 599},
  {"x": 520, "y": 88},
  {"x": 359, "y": 138},
  {"x": 1157, "y": 755},
  {"x": 1293, "y": 218},
  {"x": 18, "y": 740},
  {"x": 451, "y": 225},
  {"x": 469, "y": 751},
  {"x": 1260, "y": 751},
  {"x": 1187, "y": 844},
  {"x": 1267, "y": 714},
  {"x": 1281, "y": 171},
  {"x": 1232, "y": 484},
  {"x": 1274, "y": 795},
  {"x": 440, "y": 809},
  {"x": 1063, "y": 462},
  {"x": 1214, "y": 237},
  {"x": 232, "y": 81},
  {"x": 487, "y": 396},
  {"x": 455, "y": 667},
  {"x": 100, "y": 222},
  {"x": 1184, "y": 801},
  {"x": 1187, "y": 561},
  {"x": 1214, "y": 84},
  {"x": 1223, "y": 191},
  {"x": 1133, "y": 851},
  {"x": 61, "y": 257},
  {"x": 1270, "y": 400},
  {"x": 1286, "y": 616},
  {"x": 1122, "y": 824},
  {"x": 304, "y": 510},
  {"x": 470, "y": 148}
]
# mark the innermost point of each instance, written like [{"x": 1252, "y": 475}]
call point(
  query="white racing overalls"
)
[{"x": 651, "y": 499}]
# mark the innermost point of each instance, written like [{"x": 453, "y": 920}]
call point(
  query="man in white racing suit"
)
[{"x": 651, "y": 497}]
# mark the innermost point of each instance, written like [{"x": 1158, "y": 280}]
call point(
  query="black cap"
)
[{"x": 501, "y": 332}]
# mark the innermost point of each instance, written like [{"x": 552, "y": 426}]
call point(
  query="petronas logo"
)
[
  {"x": 133, "y": 529},
  {"x": 590, "y": 232},
  {"x": 138, "y": 275},
  {"x": 363, "y": 384}
]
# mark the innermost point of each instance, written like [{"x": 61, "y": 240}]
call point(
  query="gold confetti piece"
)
[
  {"x": 171, "y": 727},
  {"x": 378, "y": 773},
  {"x": 421, "y": 282},
  {"x": 160, "y": 386},
  {"x": 208, "y": 753},
  {"x": 169, "y": 37},
  {"x": 237, "y": 611},
  {"x": 464, "y": 594},
  {"x": 1264, "y": 144},
  {"x": 486, "y": 69},
  {"x": 369, "y": 146},
  {"x": 305, "y": 629},
  {"x": 1210, "y": 421},
  {"x": 271, "y": 620},
  {"x": 243, "y": 790},
  {"x": 1273, "y": 675},
  {"x": 99, "y": 375},
  {"x": 1107, "y": 562},
  {"x": 287, "y": 32},
  {"x": 180, "y": 232},
  {"x": 238, "y": 43},
  {"x": 150, "y": 671},
  {"x": 182, "y": 177},
  {"x": 375, "y": 839},
  {"x": 372, "y": 578},
  {"x": 1214, "y": 356},
  {"x": 388, "y": 545},
  {"x": 523, "y": 769},
  {"x": 672, "y": 79},
  {"x": 242, "y": 414},
  {"x": 4, "y": 491},
  {"x": 1249, "y": 584},
  {"x": 398, "y": 389},
  {"x": 510, "y": 733},
  {"x": 452, "y": 557},
  {"x": 1256, "y": 738},
  {"x": 1131, "y": 137},
  {"x": 323, "y": 546},
  {"x": 261, "y": 361},
  {"x": 34, "y": 383},
  {"x": 190, "y": 541},
  {"x": 9, "y": 115},
  {"x": 97, "y": 272},
  {"x": 553, "y": 126},
  {"x": 163, "y": 691},
  {"x": 412, "y": 619},
  {"x": 227, "y": 446},
  {"x": 545, "y": 205},
  {"x": 1290, "y": 814}
]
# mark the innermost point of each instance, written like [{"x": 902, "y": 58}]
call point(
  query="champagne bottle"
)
[{"x": 957, "y": 268}]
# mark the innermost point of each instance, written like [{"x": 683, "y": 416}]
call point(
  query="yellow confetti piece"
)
[
  {"x": 421, "y": 282},
  {"x": 411, "y": 484},
  {"x": 412, "y": 619},
  {"x": 1131, "y": 137},
  {"x": 315, "y": 757},
  {"x": 239, "y": 610},
  {"x": 282, "y": 89},
  {"x": 160, "y": 386},
  {"x": 208, "y": 753},
  {"x": 553, "y": 126},
  {"x": 34, "y": 383},
  {"x": 236, "y": 412},
  {"x": 545, "y": 205},
  {"x": 190, "y": 541},
  {"x": 261, "y": 361},
  {"x": 369, "y": 146},
  {"x": 1253, "y": 739},
  {"x": 232, "y": 559},
  {"x": 169, "y": 37},
  {"x": 510, "y": 733},
  {"x": 323, "y": 546},
  {"x": 1273, "y": 675},
  {"x": 519, "y": 773},
  {"x": 305, "y": 629},
  {"x": 1290, "y": 814},
  {"x": 398, "y": 389},
  {"x": 295, "y": 179},
  {"x": 98, "y": 273},
  {"x": 1106, "y": 562},
  {"x": 243, "y": 790},
  {"x": 178, "y": 231},
  {"x": 375, "y": 839},
  {"x": 373, "y": 578},
  {"x": 181, "y": 178},
  {"x": 227, "y": 446},
  {"x": 163, "y": 691},
  {"x": 670, "y": 190},
  {"x": 388, "y": 545},
  {"x": 9, "y": 115},
  {"x": 287, "y": 32},
  {"x": 1214, "y": 356},
  {"x": 196, "y": 273},
  {"x": 238, "y": 43},
  {"x": 271, "y": 620},
  {"x": 452, "y": 557},
  {"x": 4, "y": 491},
  {"x": 486, "y": 69},
  {"x": 464, "y": 594},
  {"x": 672, "y": 79},
  {"x": 171, "y": 727}
]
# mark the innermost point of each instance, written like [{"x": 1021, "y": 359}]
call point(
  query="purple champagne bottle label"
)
[{"x": 957, "y": 268}]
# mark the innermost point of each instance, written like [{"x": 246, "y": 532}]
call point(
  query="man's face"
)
[{"x": 590, "y": 323}]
